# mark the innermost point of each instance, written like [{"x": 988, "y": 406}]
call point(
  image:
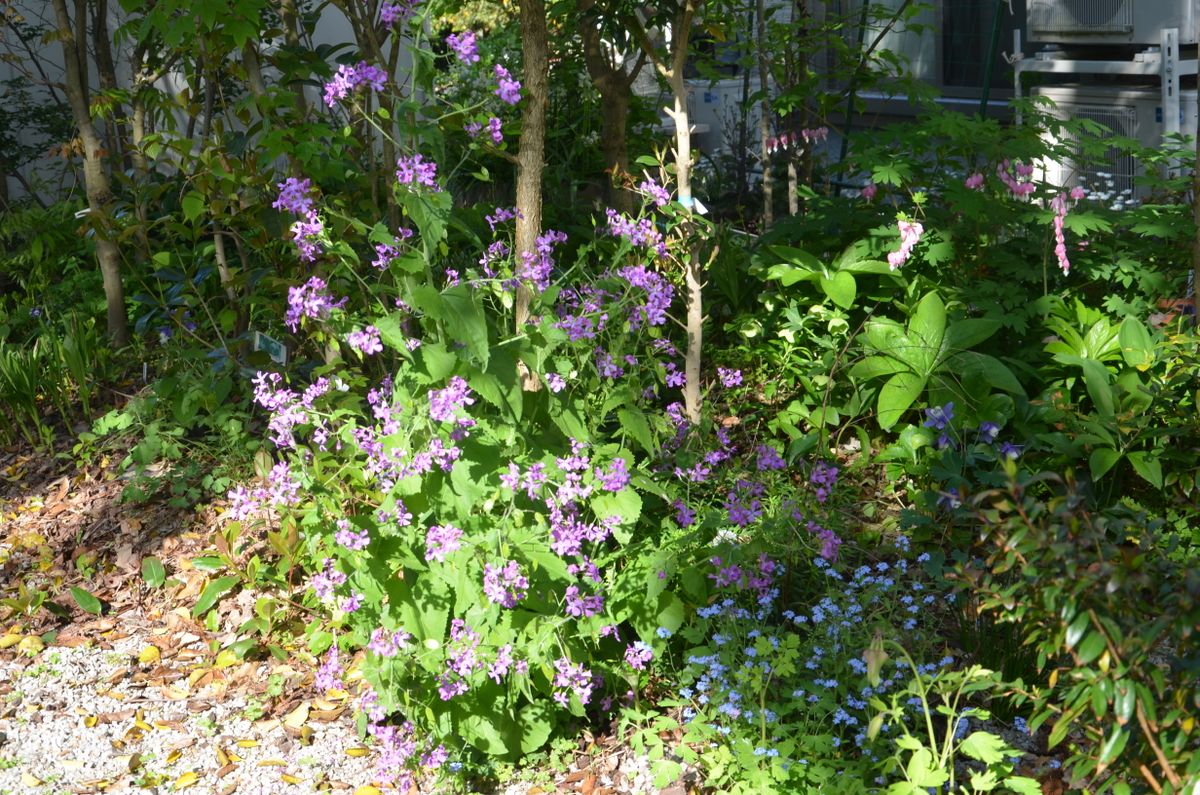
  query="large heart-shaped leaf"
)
[
  {"x": 926, "y": 331},
  {"x": 897, "y": 395},
  {"x": 841, "y": 288}
]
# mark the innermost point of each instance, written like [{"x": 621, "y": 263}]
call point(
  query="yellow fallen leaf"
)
[
  {"x": 298, "y": 716},
  {"x": 31, "y": 644},
  {"x": 8, "y": 641},
  {"x": 187, "y": 779},
  {"x": 358, "y": 750},
  {"x": 173, "y": 757},
  {"x": 272, "y": 763},
  {"x": 247, "y": 743},
  {"x": 222, "y": 757},
  {"x": 90, "y": 721},
  {"x": 150, "y": 654},
  {"x": 289, "y": 778},
  {"x": 226, "y": 658},
  {"x": 30, "y": 780},
  {"x": 367, "y": 789}
]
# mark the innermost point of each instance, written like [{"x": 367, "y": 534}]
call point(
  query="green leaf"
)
[
  {"x": 1076, "y": 630},
  {"x": 1148, "y": 466},
  {"x": 466, "y": 321},
  {"x": 208, "y": 563},
  {"x": 1091, "y": 647},
  {"x": 797, "y": 257},
  {"x": 87, "y": 602},
  {"x": 963, "y": 335},
  {"x": 153, "y": 572},
  {"x": 841, "y": 288},
  {"x": 626, "y": 504},
  {"x": 989, "y": 369},
  {"x": 1125, "y": 702},
  {"x": 876, "y": 367},
  {"x": 536, "y": 721},
  {"x": 926, "y": 330},
  {"x": 1096, "y": 378},
  {"x": 1136, "y": 345},
  {"x": 1023, "y": 785},
  {"x": 896, "y": 396},
  {"x": 1114, "y": 745},
  {"x": 634, "y": 423},
  {"x": 212, "y": 594},
  {"x": 984, "y": 746},
  {"x": 1102, "y": 460},
  {"x": 193, "y": 205}
]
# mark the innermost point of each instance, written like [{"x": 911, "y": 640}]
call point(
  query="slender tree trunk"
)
[
  {"x": 1196, "y": 243},
  {"x": 764, "y": 124},
  {"x": 116, "y": 132},
  {"x": 532, "y": 154},
  {"x": 99, "y": 193},
  {"x": 291, "y": 36}
]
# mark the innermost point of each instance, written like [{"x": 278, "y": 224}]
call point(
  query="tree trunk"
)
[
  {"x": 532, "y": 154},
  {"x": 614, "y": 117},
  {"x": 764, "y": 124},
  {"x": 96, "y": 183},
  {"x": 291, "y": 36},
  {"x": 1196, "y": 243}
]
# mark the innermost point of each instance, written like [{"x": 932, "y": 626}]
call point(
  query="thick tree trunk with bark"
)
[
  {"x": 532, "y": 155},
  {"x": 1196, "y": 244},
  {"x": 96, "y": 182}
]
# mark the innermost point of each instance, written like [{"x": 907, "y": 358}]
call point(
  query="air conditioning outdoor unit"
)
[
  {"x": 1112, "y": 21},
  {"x": 717, "y": 108},
  {"x": 1130, "y": 112}
]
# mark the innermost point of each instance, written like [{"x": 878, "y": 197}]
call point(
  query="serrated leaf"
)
[{"x": 984, "y": 746}]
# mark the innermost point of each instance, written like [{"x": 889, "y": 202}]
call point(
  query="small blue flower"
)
[{"x": 663, "y": 632}]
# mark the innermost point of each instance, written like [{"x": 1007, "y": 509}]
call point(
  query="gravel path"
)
[{"x": 78, "y": 720}]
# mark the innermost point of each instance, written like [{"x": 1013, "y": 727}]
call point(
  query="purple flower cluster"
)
[
  {"x": 581, "y": 605},
  {"x": 295, "y": 196},
  {"x": 616, "y": 477},
  {"x": 387, "y": 253},
  {"x": 416, "y": 170},
  {"x": 312, "y": 300},
  {"x": 494, "y": 128},
  {"x": 326, "y": 581},
  {"x": 444, "y": 404},
  {"x": 348, "y": 79},
  {"x": 388, "y": 644},
  {"x": 938, "y": 418},
  {"x": 537, "y": 265},
  {"x": 390, "y": 14},
  {"x": 350, "y": 537},
  {"x": 641, "y": 232},
  {"x": 638, "y": 655},
  {"x": 441, "y": 541},
  {"x": 465, "y": 46},
  {"x": 769, "y": 459},
  {"x": 505, "y": 585},
  {"x": 366, "y": 341},
  {"x": 329, "y": 675},
  {"x": 824, "y": 477},
  {"x": 659, "y": 294},
  {"x": 507, "y": 89},
  {"x": 572, "y": 678},
  {"x": 657, "y": 193},
  {"x": 729, "y": 378}
]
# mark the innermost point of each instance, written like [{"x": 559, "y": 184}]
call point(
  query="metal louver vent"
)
[
  {"x": 1118, "y": 164},
  {"x": 1081, "y": 16}
]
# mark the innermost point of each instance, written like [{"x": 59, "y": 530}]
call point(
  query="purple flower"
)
[
  {"x": 494, "y": 128},
  {"x": 295, "y": 196},
  {"x": 505, "y": 585},
  {"x": 824, "y": 477},
  {"x": 347, "y": 79},
  {"x": 658, "y": 295},
  {"x": 571, "y": 678},
  {"x": 329, "y": 675},
  {"x": 465, "y": 46},
  {"x": 441, "y": 541},
  {"x": 555, "y": 382},
  {"x": 938, "y": 417},
  {"x": 582, "y": 606},
  {"x": 415, "y": 170},
  {"x": 388, "y": 644},
  {"x": 312, "y": 300},
  {"x": 616, "y": 477},
  {"x": 637, "y": 655},
  {"x": 306, "y": 234},
  {"x": 769, "y": 459},
  {"x": 350, "y": 537},
  {"x": 988, "y": 431},
  {"x": 366, "y": 341},
  {"x": 1010, "y": 450},
  {"x": 324, "y": 582},
  {"x": 657, "y": 193},
  {"x": 641, "y": 232},
  {"x": 352, "y": 602},
  {"x": 729, "y": 378},
  {"x": 445, "y": 403},
  {"x": 684, "y": 515},
  {"x": 508, "y": 90},
  {"x": 950, "y": 499},
  {"x": 502, "y": 664},
  {"x": 391, "y": 13}
]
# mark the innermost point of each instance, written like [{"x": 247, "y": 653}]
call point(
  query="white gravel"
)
[{"x": 69, "y": 729}]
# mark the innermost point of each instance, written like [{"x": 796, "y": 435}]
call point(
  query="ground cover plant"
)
[{"x": 898, "y": 496}]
